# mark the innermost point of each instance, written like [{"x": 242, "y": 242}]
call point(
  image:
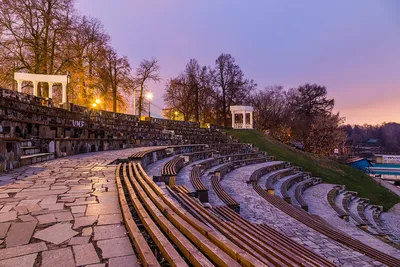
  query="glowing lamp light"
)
[
  {"x": 176, "y": 112},
  {"x": 98, "y": 101},
  {"x": 94, "y": 105},
  {"x": 149, "y": 95}
]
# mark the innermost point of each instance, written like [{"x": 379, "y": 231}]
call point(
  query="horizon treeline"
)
[{"x": 304, "y": 114}]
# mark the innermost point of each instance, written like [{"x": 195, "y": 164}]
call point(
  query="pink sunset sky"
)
[{"x": 351, "y": 47}]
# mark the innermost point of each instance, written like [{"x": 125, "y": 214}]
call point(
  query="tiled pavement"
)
[
  {"x": 391, "y": 221},
  {"x": 256, "y": 209},
  {"x": 64, "y": 212}
]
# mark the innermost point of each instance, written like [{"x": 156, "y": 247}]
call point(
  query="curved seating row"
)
[
  {"x": 196, "y": 172},
  {"x": 199, "y": 155},
  {"x": 228, "y": 167},
  {"x": 364, "y": 215},
  {"x": 268, "y": 246},
  {"x": 271, "y": 179},
  {"x": 223, "y": 195},
  {"x": 288, "y": 183},
  {"x": 173, "y": 166},
  {"x": 215, "y": 246},
  {"x": 331, "y": 200},
  {"x": 300, "y": 188},
  {"x": 256, "y": 175},
  {"x": 167, "y": 225},
  {"x": 326, "y": 229}
]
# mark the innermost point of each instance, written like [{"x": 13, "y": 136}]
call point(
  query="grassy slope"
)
[{"x": 327, "y": 169}]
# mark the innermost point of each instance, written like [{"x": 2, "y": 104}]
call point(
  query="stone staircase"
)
[{"x": 31, "y": 152}]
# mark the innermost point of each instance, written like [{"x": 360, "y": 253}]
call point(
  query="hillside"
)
[{"x": 325, "y": 168}]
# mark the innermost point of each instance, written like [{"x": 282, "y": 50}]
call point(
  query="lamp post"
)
[
  {"x": 68, "y": 79},
  {"x": 175, "y": 114},
  {"x": 149, "y": 96}
]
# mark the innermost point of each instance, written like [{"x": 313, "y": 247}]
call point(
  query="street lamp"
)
[
  {"x": 175, "y": 114},
  {"x": 66, "y": 89},
  {"x": 149, "y": 96},
  {"x": 96, "y": 103}
]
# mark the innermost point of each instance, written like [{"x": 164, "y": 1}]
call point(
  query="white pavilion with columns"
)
[
  {"x": 37, "y": 78},
  {"x": 242, "y": 117}
]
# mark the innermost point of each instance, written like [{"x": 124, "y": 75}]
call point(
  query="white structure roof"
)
[{"x": 241, "y": 108}]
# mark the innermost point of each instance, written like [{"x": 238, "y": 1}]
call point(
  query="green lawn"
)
[{"x": 330, "y": 171}]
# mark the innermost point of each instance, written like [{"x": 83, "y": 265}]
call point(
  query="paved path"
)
[
  {"x": 316, "y": 198},
  {"x": 391, "y": 221},
  {"x": 389, "y": 185},
  {"x": 256, "y": 209},
  {"x": 64, "y": 212}
]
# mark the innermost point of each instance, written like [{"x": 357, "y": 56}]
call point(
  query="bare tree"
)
[
  {"x": 115, "y": 75},
  {"x": 179, "y": 96},
  {"x": 270, "y": 110},
  {"x": 232, "y": 88},
  {"x": 306, "y": 103},
  {"x": 148, "y": 70},
  {"x": 35, "y": 34},
  {"x": 50, "y": 37}
]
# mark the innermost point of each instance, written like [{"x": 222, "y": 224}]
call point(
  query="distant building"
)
[{"x": 387, "y": 159}]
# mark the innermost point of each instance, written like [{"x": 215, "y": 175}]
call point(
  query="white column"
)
[
  {"x": 233, "y": 119},
  {"x": 35, "y": 92},
  {"x": 64, "y": 93},
  {"x": 19, "y": 88},
  {"x": 251, "y": 120},
  {"x": 50, "y": 90},
  {"x": 244, "y": 120}
]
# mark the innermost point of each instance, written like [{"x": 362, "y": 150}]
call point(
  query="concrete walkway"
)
[{"x": 64, "y": 212}]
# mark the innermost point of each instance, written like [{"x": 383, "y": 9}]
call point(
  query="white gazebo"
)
[
  {"x": 239, "y": 114},
  {"x": 37, "y": 78}
]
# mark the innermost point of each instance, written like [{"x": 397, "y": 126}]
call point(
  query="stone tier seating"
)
[
  {"x": 280, "y": 169},
  {"x": 74, "y": 129},
  {"x": 323, "y": 227},
  {"x": 256, "y": 175},
  {"x": 268, "y": 246},
  {"x": 364, "y": 215},
  {"x": 271, "y": 179},
  {"x": 149, "y": 156},
  {"x": 199, "y": 169},
  {"x": 228, "y": 167},
  {"x": 332, "y": 194},
  {"x": 288, "y": 183},
  {"x": 301, "y": 187}
]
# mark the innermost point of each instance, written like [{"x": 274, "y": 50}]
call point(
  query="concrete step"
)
[{"x": 35, "y": 158}]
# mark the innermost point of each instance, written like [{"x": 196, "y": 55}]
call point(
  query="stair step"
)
[{"x": 35, "y": 158}]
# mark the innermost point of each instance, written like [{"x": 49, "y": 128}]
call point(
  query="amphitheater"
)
[{"x": 83, "y": 187}]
